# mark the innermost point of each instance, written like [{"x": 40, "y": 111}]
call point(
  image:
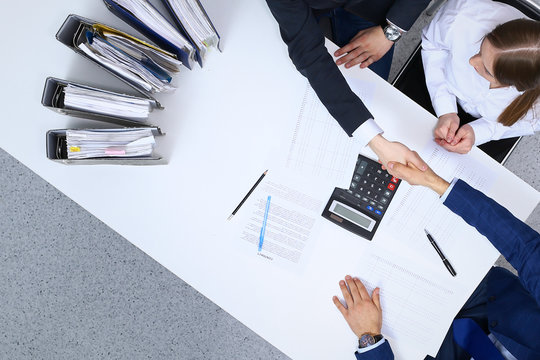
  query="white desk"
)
[{"x": 220, "y": 123}]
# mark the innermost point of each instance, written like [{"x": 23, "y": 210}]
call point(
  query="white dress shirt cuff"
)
[
  {"x": 447, "y": 192},
  {"x": 371, "y": 347},
  {"x": 445, "y": 104},
  {"x": 482, "y": 133},
  {"x": 400, "y": 29},
  {"x": 367, "y": 131}
]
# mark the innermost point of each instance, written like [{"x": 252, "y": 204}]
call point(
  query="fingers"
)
[
  {"x": 367, "y": 62},
  {"x": 354, "y": 43},
  {"x": 342, "y": 309},
  {"x": 416, "y": 160},
  {"x": 346, "y": 49},
  {"x": 376, "y": 298},
  {"x": 348, "y": 57},
  {"x": 398, "y": 170},
  {"x": 353, "y": 58},
  {"x": 440, "y": 132},
  {"x": 461, "y": 147},
  {"x": 450, "y": 136},
  {"x": 446, "y": 127},
  {"x": 346, "y": 294},
  {"x": 459, "y": 136},
  {"x": 361, "y": 289},
  {"x": 353, "y": 287}
]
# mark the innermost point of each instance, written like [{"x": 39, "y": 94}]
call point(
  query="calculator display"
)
[{"x": 352, "y": 215}]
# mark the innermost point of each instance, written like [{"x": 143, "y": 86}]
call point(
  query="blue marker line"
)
[{"x": 263, "y": 229}]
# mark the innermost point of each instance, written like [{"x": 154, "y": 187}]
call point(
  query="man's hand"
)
[
  {"x": 462, "y": 142},
  {"x": 366, "y": 47},
  {"x": 362, "y": 313},
  {"x": 395, "y": 151},
  {"x": 413, "y": 176},
  {"x": 446, "y": 127}
]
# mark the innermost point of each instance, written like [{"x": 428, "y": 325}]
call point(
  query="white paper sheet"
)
[
  {"x": 320, "y": 148},
  {"x": 415, "y": 303},
  {"x": 292, "y": 223},
  {"x": 418, "y": 208}
]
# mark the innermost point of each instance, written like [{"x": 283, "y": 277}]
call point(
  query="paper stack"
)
[{"x": 97, "y": 143}]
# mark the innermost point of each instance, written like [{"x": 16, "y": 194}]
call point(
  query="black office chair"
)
[{"x": 412, "y": 82}]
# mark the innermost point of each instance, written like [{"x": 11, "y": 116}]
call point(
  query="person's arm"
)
[
  {"x": 369, "y": 45},
  {"x": 483, "y": 130},
  {"x": 436, "y": 51},
  {"x": 514, "y": 239},
  {"x": 305, "y": 42},
  {"x": 486, "y": 129},
  {"x": 363, "y": 313}
]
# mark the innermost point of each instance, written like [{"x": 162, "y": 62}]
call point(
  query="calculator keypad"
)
[{"x": 372, "y": 187}]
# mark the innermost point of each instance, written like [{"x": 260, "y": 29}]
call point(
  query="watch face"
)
[
  {"x": 366, "y": 340},
  {"x": 391, "y": 33}
]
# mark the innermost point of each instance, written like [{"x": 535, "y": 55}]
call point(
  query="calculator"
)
[{"x": 361, "y": 207}]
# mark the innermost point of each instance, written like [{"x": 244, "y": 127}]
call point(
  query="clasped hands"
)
[{"x": 453, "y": 138}]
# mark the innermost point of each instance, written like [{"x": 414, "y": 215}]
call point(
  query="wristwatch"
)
[
  {"x": 368, "y": 340},
  {"x": 392, "y": 32}
]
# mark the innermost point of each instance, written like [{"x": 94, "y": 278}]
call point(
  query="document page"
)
[
  {"x": 292, "y": 220},
  {"x": 320, "y": 148},
  {"x": 417, "y": 306},
  {"x": 415, "y": 208}
]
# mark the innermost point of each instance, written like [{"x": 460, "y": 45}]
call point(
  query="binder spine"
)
[
  {"x": 211, "y": 24},
  {"x": 182, "y": 30},
  {"x": 126, "y": 16}
]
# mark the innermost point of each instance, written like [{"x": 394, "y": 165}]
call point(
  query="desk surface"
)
[{"x": 201, "y": 120}]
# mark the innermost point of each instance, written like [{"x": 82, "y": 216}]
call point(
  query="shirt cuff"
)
[
  {"x": 444, "y": 105},
  {"x": 447, "y": 192},
  {"x": 482, "y": 133},
  {"x": 400, "y": 29},
  {"x": 367, "y": 131},
  {"x": 371, "y": 347}
]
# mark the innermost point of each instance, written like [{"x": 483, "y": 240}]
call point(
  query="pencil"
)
[{"x": 247, "y": 195}]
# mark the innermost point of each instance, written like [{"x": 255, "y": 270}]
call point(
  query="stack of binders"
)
[
  {"x": 190, "y": 43},
  {"x": 147, "y": 68}
]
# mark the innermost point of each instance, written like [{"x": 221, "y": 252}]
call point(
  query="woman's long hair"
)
[{"x": 517, "y": 63}]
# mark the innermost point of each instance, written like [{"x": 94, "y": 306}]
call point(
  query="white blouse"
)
[{"x": 448, "y": 42}]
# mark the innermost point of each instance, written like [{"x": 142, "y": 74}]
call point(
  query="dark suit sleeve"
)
[
  {"x": 516, "y": 241},
  {"x": 301, "y": 33},
  {"x": 403, "y": 13},
  {"x": 383, "y": 352}
]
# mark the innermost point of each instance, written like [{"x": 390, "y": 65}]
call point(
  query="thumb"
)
[
  {"x": 396, "y": 168},
  {"x": 417, "y": 161},
  {"x": 452, "y": 128},
  {"x": 376, "y": 298},
  {"x": 459, "y": 136}
]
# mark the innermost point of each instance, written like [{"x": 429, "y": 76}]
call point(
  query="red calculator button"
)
[
  {"x": 391, "y": 186},
  {"x": 395, "y": 180}
]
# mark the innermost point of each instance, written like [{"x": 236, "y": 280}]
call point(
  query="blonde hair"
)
[{"x": 517, "y": 63}]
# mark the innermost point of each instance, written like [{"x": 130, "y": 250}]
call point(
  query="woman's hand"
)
[
  {"x": 446, "y": 128},
  {"x": 463, "y": 141}
]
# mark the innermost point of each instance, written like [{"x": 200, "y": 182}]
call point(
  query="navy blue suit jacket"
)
[
  {"x": 305, "y": 41},
  {"x": 513, "y": 308}
]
